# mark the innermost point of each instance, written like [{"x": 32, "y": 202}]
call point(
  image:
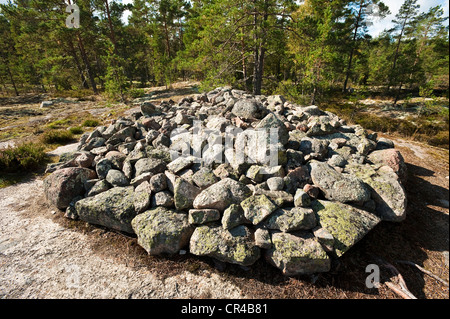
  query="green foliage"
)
[
  {"x": 59, "y": 137},
  {"x": 25, "y": 157},
  {"x": 136, "y": 93},
  {"x": 76, "y": 130},
  {"x": 90, "y": 123}
]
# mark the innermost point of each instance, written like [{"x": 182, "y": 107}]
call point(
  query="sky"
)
[{"x": 378, "y": 26}]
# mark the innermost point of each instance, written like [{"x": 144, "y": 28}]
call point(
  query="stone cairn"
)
[{"x": 332, "y": 183}]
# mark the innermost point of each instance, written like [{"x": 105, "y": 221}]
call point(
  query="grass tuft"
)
[
  {"x": 60, "y": 137},
  {"x": 25, "y": 157}
]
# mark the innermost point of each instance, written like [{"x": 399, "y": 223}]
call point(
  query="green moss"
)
[{"x": 344, "y": 222}]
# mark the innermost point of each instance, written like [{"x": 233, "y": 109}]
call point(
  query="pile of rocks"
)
[{"x": 332, "y": 183}]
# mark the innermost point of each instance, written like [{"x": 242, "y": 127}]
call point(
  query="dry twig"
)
[{"x": 429, "y": 273}]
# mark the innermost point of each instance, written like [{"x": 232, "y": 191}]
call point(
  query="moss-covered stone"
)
[
  {"x": 297, "y": 254},
  {"x": 345, "y": 223},
  {"x": 256, "y": 208},
  {"x": 113, "y": 209},
  {"x": 222, "y": 194},
  {"x": 336, "y": 186},
  {"x": 184, "y": 194},
  {"x": 288, "y": 220},
  {"x": 386, "y": 190},
  {"x": 162, "y": 231},
  {"x": 203, "y": 216},
  {"x": 234, "y": 246}
]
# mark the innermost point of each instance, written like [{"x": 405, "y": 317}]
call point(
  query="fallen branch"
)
[
  {"x": 400, "y": 289},
  {"x": 429, "y": 273}
]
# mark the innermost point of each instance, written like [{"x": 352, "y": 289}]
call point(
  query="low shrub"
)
[
  {"x": 76, "y": 130},
  {"x": 25, "y": 157},
  {"x": 90, "y": 123},
  {"x": 440, "y": 140},
  {"x": 60, "y": 137},
  {"x": 136, "y": 93}
]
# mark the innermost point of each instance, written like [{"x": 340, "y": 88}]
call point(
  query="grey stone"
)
[
  {"x": 158, "y": 182},
  {"x": 142, "y": 197},
  {"x": 99, "y": 187},
  {"x": 298, "y": 254},
  {"x": 386, "y": 190},
  {"x": 222, "y": 194},
  {"x": 275, "y": 183},
  {"x": 162, "y": 231},
  {"x": 117, "y": 178},
  {"x": 248, "y": 109},
  {"x": 235, "y": 246},
  {"x": 258, "y": 207},
  {"x": 233, "y": 216},
  {"x": 338, "y": 187},
  {"x": 203, "y": 216},
  {"x": 164, "y": 199},
  {"x": 113, "y": 209},
  {"x": 347, "y": 224},
  {"x": 204, "y": 178},
  {"x": 184, "y": 194},
  {"x": 302, "y": 199},
  {"x": 289, "y": 220},
  {"x": 149, "y": 165},
  {"x": 61, "y": 187}
]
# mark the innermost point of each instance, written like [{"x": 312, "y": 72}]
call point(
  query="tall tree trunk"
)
[
  {"x": 12, "y": 79},
  {"x": 166, "y": 34},
  {"x": 350, "y": 60},
  {"x": 259, "y": 50},
  {"x": 74, "y": 55},
  {"x": 244, "y": 63},
  {"x": 111, "y": 28},
  {"x": 86, "y": 63},
  {"x": 397, "y": 53}
]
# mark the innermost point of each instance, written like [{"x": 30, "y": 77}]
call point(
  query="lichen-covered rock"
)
[
  {"x": 345, "y": 223},
  {"x": 158, "y": 182},
  {"x": 298, "y": 254},
  {"x": 203, "y": 216},
  {"x": 222, "y": 194},
  {"x": 233, "y": 216},
  {"x": 248, "y": 109},
  {"x": 258, "y": 207},
  {"x": 235, "y": 246},
  {"x": 64, "y": 185},
  {"x": 204, "y": 178},
  {"x": 117, "y": 178},
  {"x": 142, "y": 197},
  {"x": 337, "y": 186},
  {"x": 180, "y": 164},
  {"x": 262, "y": 238},
  {"x": 99, "y": 187},
  {"x": 386, "y": 189},
  {"x": 289, "y": 220},
  {"x": 163, "y": 199},
  {"x": 113, "y": 209},
  {"x": 151, "y": 165},
  {"x": 162, "y": 231},
  {"x": 301, "y": 198},
  {"x": 279, "y": 198},
  {"x": 392, "y": 158},
  {"x": 271, "y": 121},
  {"x": 184, "y": 194},
  {"x": 275, "y": 183}
]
